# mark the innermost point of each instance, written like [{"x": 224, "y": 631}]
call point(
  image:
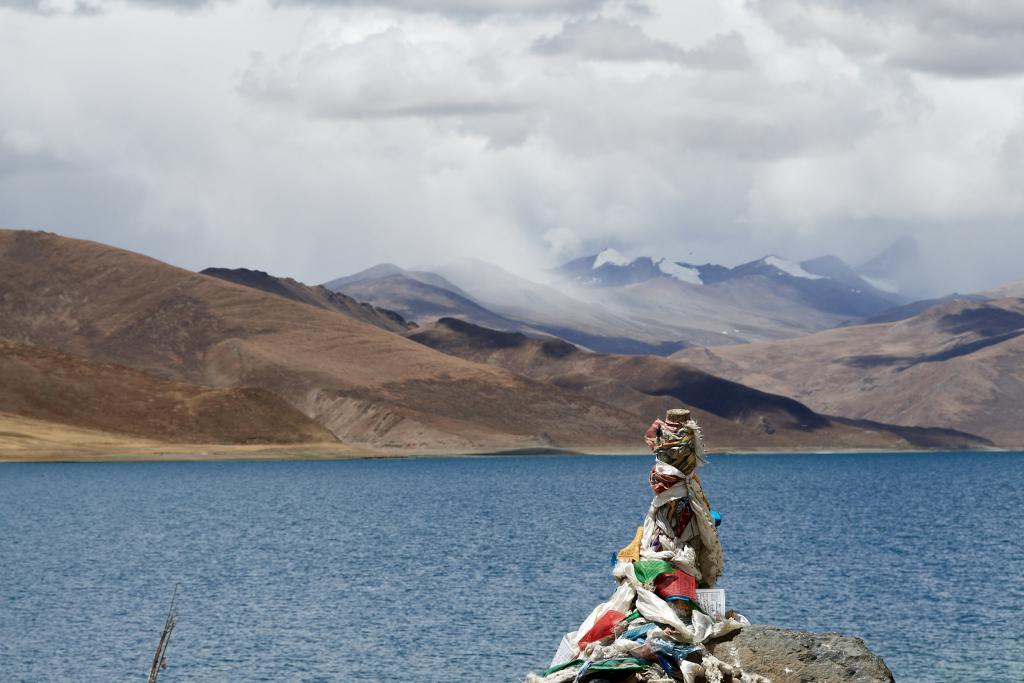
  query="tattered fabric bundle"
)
[{"x": 652, "y": 628}]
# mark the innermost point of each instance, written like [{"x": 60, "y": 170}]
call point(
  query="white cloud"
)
[
  {"x": 329, "y": 136},
  {"x": 603, "y": 38}
]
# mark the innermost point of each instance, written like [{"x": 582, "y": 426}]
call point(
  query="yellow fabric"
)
[
  {"x": 702, "y": 494},
  {"x": 631, "y": 553}
]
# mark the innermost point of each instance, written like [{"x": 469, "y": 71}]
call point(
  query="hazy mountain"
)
[
  {"x": 487, "y": 295},
  {"x": 608, "y": 303},
  {"x": 417, "y": 295},
  {"x": 826, "y": 283},
  {"x": 547, "y": 310},
  {"x": 318, "y": 296},
  {"x": 895, "y": 268},
  {"x": 384, "y": 270},
  {"x": 958, "y": 364}
]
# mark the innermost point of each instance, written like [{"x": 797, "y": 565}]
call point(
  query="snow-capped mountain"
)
[{"x": 610, "y": 268}]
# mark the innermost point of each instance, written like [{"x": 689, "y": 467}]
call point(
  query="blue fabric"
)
[
  {"x": 666, "y": 664},
  {"x": 676, "y": 651},
  {"x": 639, "y": 632}
]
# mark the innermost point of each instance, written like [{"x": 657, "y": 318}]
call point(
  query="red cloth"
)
[
  {"x": 662, "y": 482},
  {"x": 678, "y": 584},
  {"x": 603, "y": 628}
]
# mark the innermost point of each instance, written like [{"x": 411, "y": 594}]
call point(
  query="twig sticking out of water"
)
[{"x": 165, "y": 638}]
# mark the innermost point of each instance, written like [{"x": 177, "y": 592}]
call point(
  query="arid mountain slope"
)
[
  {"x": 1013, "y": 289},
  {"x": 48, "y": 385},
  {"x": 417, "y": 299},
  {"x": 915, "y": 308},
  {"x": 731, "y": 413},
  {"x": 959, "y": 365},
  {"x": 318, "y": 296},
  {"x": 366, "y": 385}
]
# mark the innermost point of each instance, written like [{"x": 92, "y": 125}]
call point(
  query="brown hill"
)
[
  {"x": 958, "y": 365},
  {"x": 732, "y": 414},
  {"x": 366, "y": 385},
  {"x": 317, "y": 295},
  {"x": 1013, "y": 289},
  {"x": 51, "y": 386}
]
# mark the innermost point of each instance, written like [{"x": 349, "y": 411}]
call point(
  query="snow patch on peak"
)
[
  {"x": 611, "y": 256},
  {"x": 682, "y": 273},
  {"x": 790, "y": 268}
]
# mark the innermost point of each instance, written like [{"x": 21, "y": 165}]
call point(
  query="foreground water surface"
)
[{"x": 471, "y": 569}]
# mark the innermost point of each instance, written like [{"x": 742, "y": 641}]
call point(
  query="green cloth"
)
[
  {"x": 559, "y": 667},
  {"x": 649, "y": 570},
  {"x": 624, "y": 664}
]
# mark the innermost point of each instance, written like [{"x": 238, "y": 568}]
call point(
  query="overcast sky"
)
[{"x": 316, "y": 138}]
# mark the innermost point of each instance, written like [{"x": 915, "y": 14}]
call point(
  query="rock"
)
[{"x": 785, "y": 656}]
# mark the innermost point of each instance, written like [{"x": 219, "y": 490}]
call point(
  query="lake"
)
[{"x": 471, "y": 569}]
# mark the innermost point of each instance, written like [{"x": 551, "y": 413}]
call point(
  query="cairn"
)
[{"x": 655, "y": 625}]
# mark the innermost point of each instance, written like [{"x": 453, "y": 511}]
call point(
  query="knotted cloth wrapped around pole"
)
[{"x": 652, "y": 628}]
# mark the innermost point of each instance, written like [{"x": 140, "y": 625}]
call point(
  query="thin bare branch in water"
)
[{"x": 165, "y": 638}]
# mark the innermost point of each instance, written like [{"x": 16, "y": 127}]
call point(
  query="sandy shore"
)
[{"x": 25, "y": 440}]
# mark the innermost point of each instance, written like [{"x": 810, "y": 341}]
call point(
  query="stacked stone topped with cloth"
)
[{"x": 653, "y": 628}]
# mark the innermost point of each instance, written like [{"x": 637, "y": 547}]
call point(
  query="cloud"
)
[
  {"x": 97, "y": 7},
  {"x": 938, "y": 37},
  {"x": 603, "y": 38},
  {"x": 465, "y": 9},
  {"x": 963, "y": 56},
  {"x": 469, "y": 7},
  {"x": 388, "y": 74},
  {"x": 327, "y": 137}
]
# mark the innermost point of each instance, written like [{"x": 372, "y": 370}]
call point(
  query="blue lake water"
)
[{"x": 471, "y": 569}]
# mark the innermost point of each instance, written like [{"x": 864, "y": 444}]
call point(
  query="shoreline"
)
[{"x": 148, "y": 452}]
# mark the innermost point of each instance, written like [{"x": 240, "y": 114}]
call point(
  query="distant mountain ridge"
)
[
  {"x": 486, "y": 295},
  {"x": 318, "y": 296},
  {"x": 610, "y": 268},
  {"x": 610, "y": 303},
  {"x": 958, "y": 364}
]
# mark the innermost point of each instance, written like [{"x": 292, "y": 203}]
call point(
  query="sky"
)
[{"x": 314, "y": 138}]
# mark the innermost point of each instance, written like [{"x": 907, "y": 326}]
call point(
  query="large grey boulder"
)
[{"x": 785, "y": 656}]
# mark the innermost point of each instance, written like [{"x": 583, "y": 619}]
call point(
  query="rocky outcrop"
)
[{"x": 785, "y": 656}]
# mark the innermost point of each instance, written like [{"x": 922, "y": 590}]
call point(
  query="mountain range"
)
[
  {"x": 81, "y": 319},
  {"x": 609, "y": 303}
]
